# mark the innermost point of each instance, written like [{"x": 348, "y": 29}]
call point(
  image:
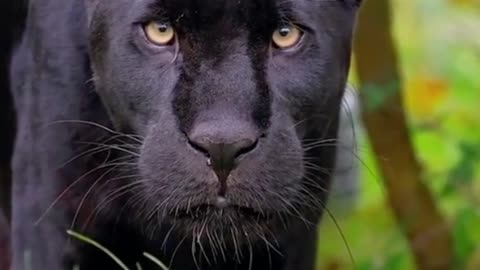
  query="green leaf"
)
[
  {"x": 464, "y": 173},
  {"x": 377, "y": 94},
  {"x": 467, "y": 235}
]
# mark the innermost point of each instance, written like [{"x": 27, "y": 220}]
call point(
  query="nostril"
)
[
  {"x": 224, "y": 150},
  {"x": 199, "y": 148},
  {"x": 246, "y": 148}
]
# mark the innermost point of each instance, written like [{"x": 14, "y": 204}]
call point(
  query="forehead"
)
[
  {"x": 201, "y": 12},
  {"x": 211, "y": 11},
  {"x": 217, "y": 7}
]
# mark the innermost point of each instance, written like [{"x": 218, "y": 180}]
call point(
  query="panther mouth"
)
[{"x": 221, "y": 209}]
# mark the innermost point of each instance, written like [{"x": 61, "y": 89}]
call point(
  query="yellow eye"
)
[
  {"x": 287, "y": 37},
  {"x": 160, "y": 34}
]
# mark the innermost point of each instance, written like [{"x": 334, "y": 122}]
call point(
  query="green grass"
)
[{"x": 112, "y": 256}]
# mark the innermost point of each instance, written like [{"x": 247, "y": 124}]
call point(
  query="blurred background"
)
[{"x": 417, "y": 69}]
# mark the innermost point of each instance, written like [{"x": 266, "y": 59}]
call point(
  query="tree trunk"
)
[{"x": 413, "y": 205}]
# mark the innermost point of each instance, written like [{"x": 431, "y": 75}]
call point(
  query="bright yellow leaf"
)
[{"x": 424, "y": 95}]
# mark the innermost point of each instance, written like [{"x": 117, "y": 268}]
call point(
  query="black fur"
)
[{"x": 105, "y": 122}]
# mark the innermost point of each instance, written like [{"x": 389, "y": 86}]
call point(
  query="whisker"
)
[
  {"x": 92, "y": 151},
  {"x": 67, "y": 189},
  {"x": 87, "y": 193},
  {"x": 176, "y": 250},
  {"x": 344, "y": 238},
  {"x": 132, "y": 136},
  {"x": 116, "y": 147},
  {"x": 110, "y": 198}
]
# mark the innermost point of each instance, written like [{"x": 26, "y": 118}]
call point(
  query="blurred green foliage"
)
[{"x": 439, "y": 51}]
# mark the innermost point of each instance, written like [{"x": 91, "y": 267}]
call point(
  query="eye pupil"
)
[
  {"x": 285, "y": 31},
  {"x": 163, "y": 28}
]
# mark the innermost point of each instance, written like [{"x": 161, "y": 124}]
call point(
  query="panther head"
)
[{"x": 234, "y": 105}]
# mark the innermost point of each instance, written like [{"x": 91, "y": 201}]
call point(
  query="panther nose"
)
[
  {"x": 222, "y": 147},
  {"x": 222, "y": 156}
]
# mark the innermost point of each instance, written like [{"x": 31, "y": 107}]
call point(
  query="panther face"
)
[{"x": 233, "y": 105}]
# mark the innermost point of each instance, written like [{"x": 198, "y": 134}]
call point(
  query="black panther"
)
[{"x": 202, "y": 132}]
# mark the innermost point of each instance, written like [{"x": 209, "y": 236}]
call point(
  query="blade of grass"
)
[
  {"x": 98, "y": 246},
  {"x": 155, "y": 260}
]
